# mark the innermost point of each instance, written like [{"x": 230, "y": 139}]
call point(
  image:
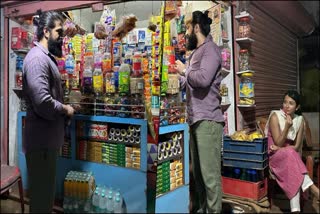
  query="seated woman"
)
[{"x": 285, "y": 135}]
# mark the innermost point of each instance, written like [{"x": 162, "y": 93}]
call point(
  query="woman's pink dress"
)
[{"x": 287, "y": 166}]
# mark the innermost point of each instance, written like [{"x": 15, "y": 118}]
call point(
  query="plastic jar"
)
[
  {"x": 244, "y": 27},
  {"x": 244, "y": 60},
  {"x": 246, "y": 89},
  {"x": 226, "y": 55}
]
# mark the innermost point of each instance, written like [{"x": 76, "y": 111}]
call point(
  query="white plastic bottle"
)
[
  {"x": 95, "y": 201},
  {"x": 118, "y": 194},
  {"x": 117, "y": 205},
  {"x": 102, "y": 204},
  {"x": 70, "y": 64},
  {"x": 110, "y": 204}
]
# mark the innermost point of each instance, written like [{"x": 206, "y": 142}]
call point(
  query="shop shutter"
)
[{"x": 274, "y": 60}]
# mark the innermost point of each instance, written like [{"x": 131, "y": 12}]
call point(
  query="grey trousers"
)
[
  {"x": 205, "y": 146},
  {"x": 41, "y": 166}
]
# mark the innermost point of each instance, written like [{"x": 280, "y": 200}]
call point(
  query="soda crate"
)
[
  {"x": 259, "y": 145},
  {"x": 245, "y": 189},
  {"x": 243, "y": 163},
  {"x": 245, "y": 155}
]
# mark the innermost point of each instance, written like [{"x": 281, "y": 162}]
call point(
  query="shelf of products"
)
[
  {"x": 172, "y": 152},
  {"x": 245, "y": 74},
  {"x": 124, "y": 161}
]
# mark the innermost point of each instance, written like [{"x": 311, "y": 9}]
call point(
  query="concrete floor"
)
[{"x": 281, "y": 205}]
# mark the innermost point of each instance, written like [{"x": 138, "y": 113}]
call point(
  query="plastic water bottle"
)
[
  {"x": 110, "y": 204},
  {"x": 70, "y": 64},
  {"x": 118, "y": 194},
  {"x": 117, "y": 205},
  {"x": 102, "y": 203},
  {"x": 95, "y": 201},
  {"x": 87, "y": 206}
]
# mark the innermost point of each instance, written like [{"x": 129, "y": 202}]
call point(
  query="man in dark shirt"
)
[
  {"x": 201, "y": 78},
  {"x": 45, "y": 119}
]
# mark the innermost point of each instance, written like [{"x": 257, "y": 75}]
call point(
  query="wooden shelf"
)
[{"x": 245, "y": 14}]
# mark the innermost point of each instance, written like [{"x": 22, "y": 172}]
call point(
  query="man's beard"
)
[
  {"x": 55, "y": 46},
  {"x": 192, "y": 41}
]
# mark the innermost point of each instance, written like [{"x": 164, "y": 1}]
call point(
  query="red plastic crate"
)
[{"x": 245, "y": 189}]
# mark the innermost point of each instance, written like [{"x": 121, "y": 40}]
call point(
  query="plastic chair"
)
[{"x": 10, "y": 175}]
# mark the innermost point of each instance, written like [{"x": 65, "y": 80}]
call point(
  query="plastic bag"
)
[{"x": 127, "y": 24}]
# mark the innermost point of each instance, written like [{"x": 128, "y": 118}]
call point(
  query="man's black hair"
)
[
  {"x": 203, "y": 20},
  {"x": 46, "y": 20}
]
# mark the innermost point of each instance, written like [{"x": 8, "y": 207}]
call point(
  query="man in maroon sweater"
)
[
  {"x": 45, "y": 119},
  {"x": 202, "y": 79}
]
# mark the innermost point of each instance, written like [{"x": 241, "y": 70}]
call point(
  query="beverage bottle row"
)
[
  {"x": 106, "y": 200},
  {"x": 251, "y": 175}
]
